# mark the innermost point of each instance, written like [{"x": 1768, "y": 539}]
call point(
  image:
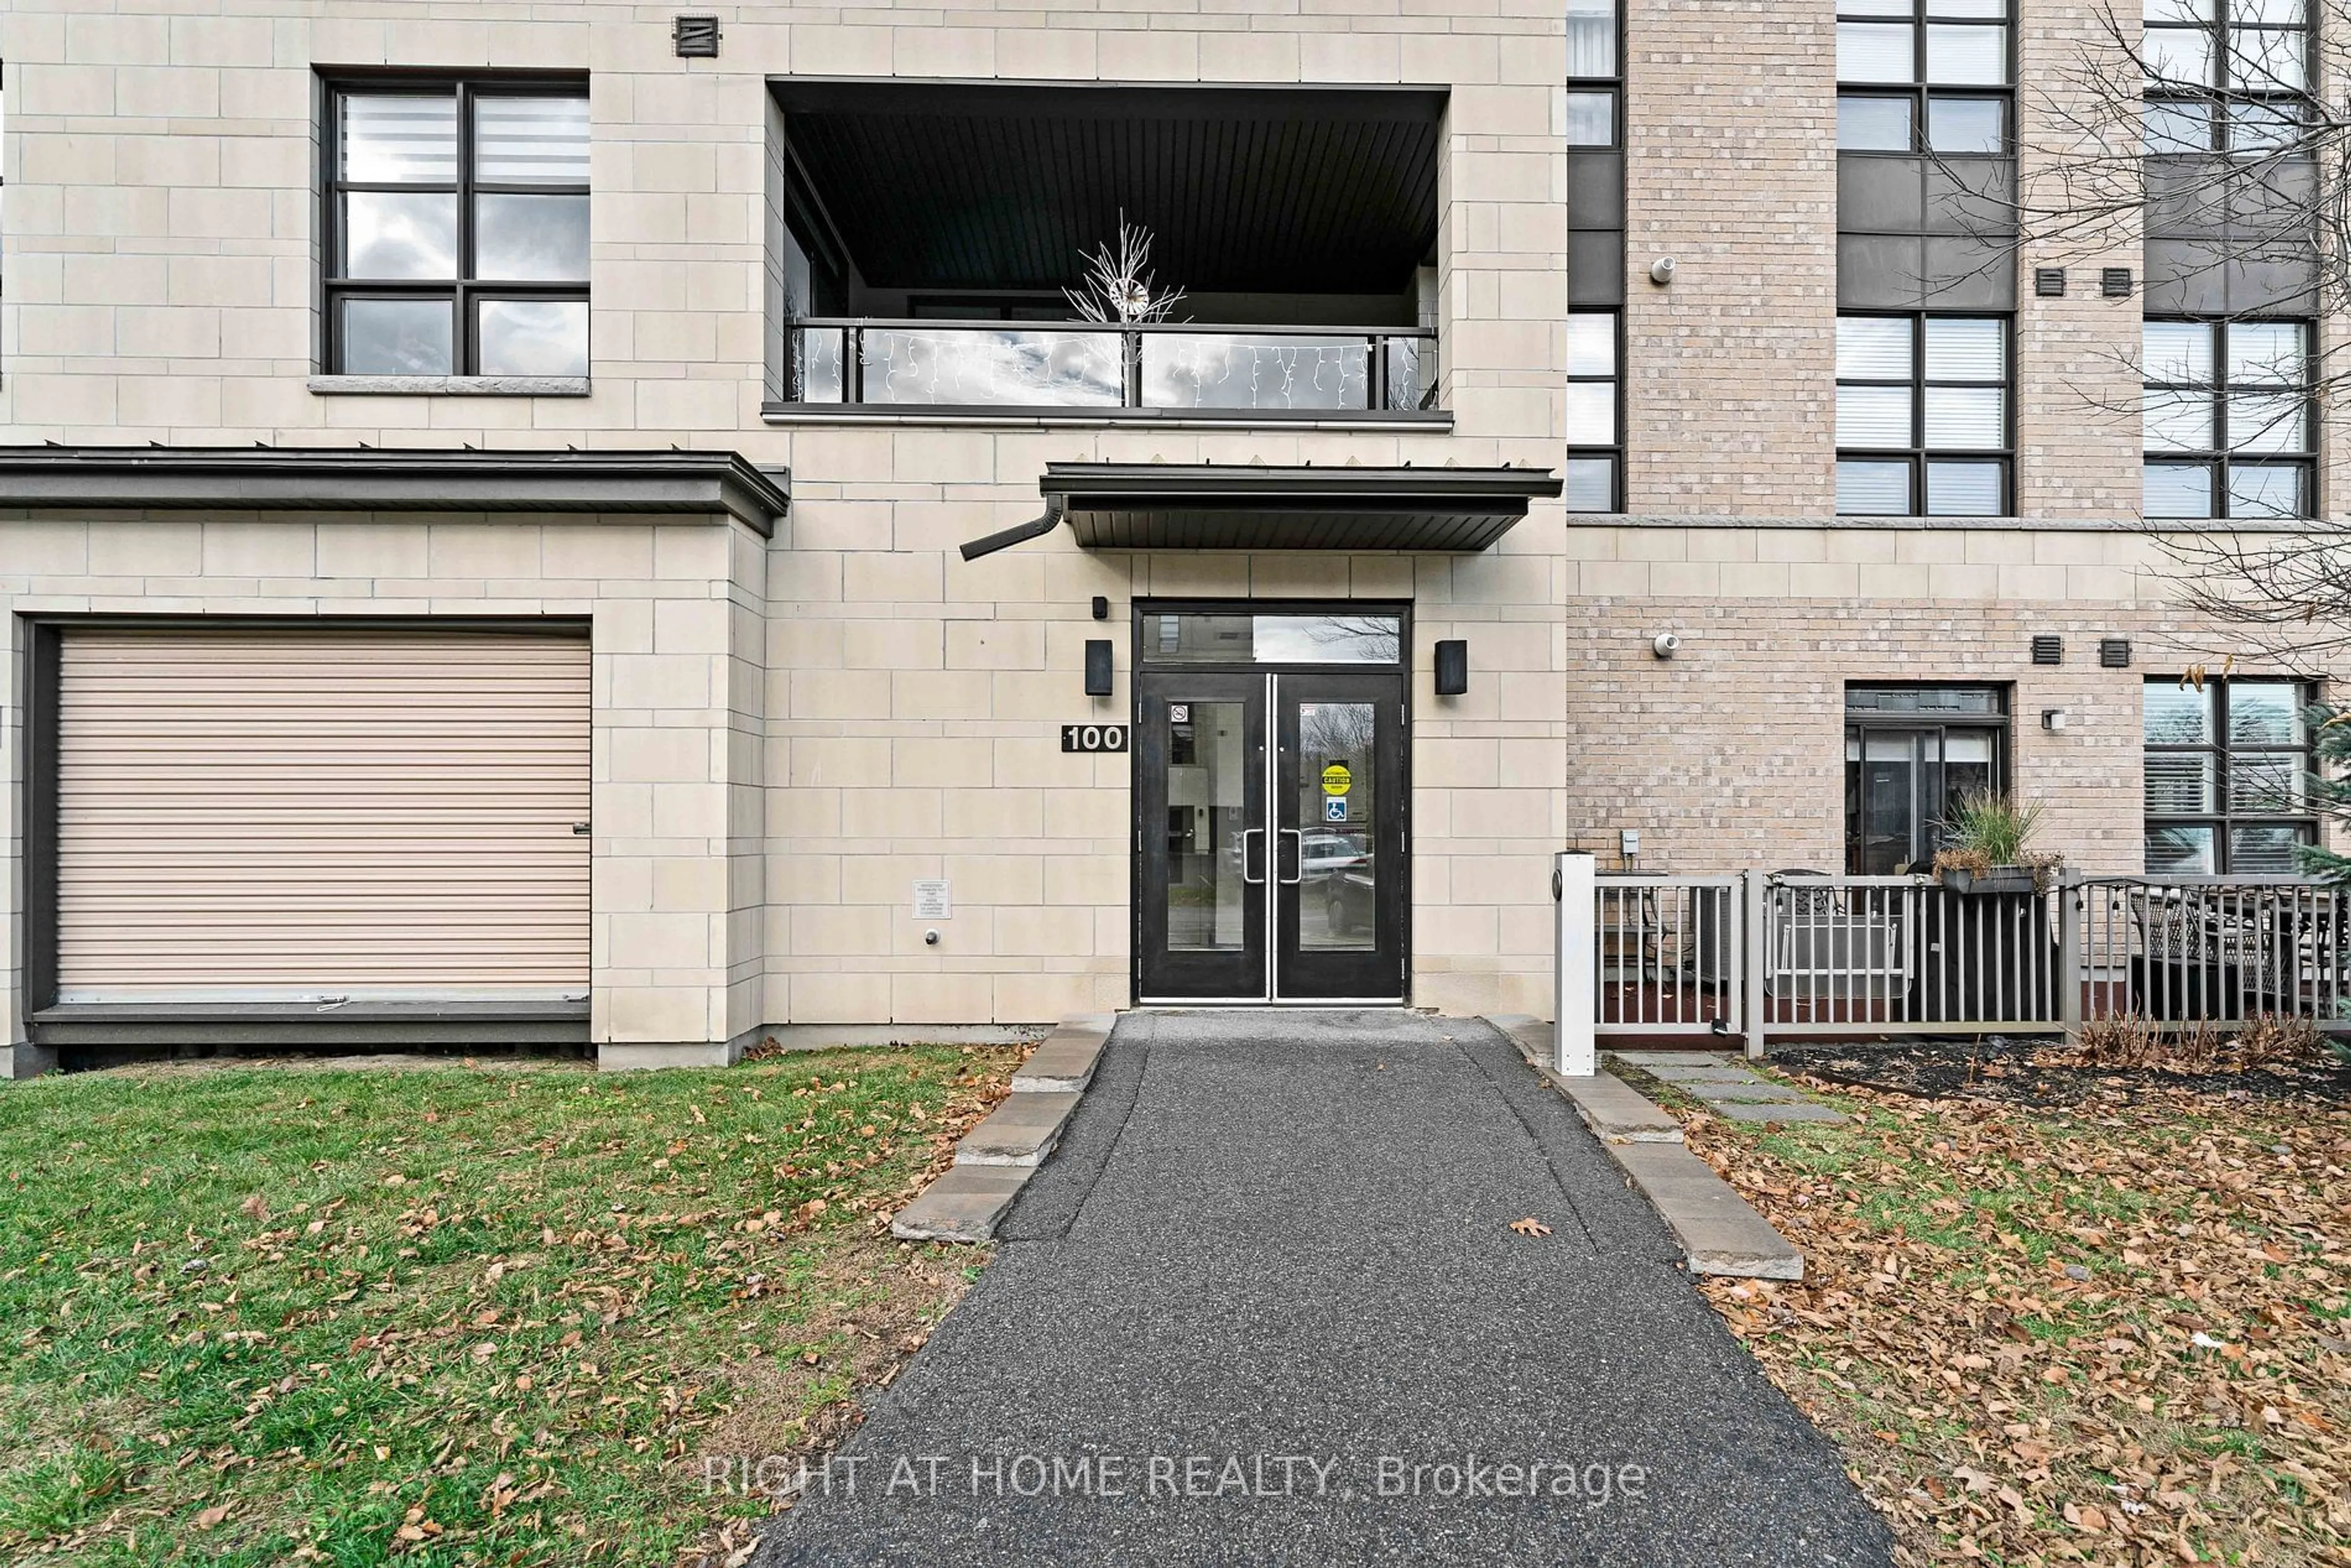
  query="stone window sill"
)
[{"x": 450, "y": 386}]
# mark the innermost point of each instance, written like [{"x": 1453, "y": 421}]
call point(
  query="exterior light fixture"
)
[
  {"x": 1098, "y": 674},
  {"x": 1666, "y": 645},
  {"x": 2053, "y": 719},
  {"x": 1452, "y": 668},
  {"x": 1661, "y": 271}
]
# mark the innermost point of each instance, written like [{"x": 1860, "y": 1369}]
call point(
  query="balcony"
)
[
  {"x": 1189, "y": 368},
  {"x": 929, "y": 246}
]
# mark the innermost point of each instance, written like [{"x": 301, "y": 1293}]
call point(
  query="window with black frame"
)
[
  {"x": 1595, "y": 75},
  {"x": 456, "y": 228},
  {"x": 1594, "y": 452},
  {"x": 2228, "y": 776},
  {"x": 2228, "y": 419},
  {"x": 2226, "y": 76},
  {"x": 1923, "y": 76},
  {"x": 1922, "y": 425},
  {"x": 1911, "y": 754}
]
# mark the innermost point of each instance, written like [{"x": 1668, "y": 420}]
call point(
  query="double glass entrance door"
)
[{"x": 1270, "y": 836}]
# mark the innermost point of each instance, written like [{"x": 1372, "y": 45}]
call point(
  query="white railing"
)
[{"x": 1799, "y": 955}]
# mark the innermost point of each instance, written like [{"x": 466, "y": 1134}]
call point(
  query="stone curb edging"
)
[
  {"x": 995, "y": 1160},
  {"x": 1718, "y": 1230}
]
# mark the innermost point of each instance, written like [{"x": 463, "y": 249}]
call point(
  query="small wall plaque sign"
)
[
  {"x": 1093, "y": 737},
  {"x": 932, "y": 900}
]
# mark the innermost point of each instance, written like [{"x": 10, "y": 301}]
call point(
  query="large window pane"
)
[
  {"x": 2176, "y": 128},
  {"x": 1591, "y": 37},
  {"x": 2268, "y": 421},
  {"x": 1960, "y": 348},
  {"x": 2179, "y": 351},
  {"x": 2265, "y": 713},
  {"x": 2265, "y": 784},
  {"x": 396, "y": 337},
  {"x": 400, "y": 139},
  {"x": 1873, "y": 416},
  {"x": 1873, "y": 124},
  {"x": 1966, "y": 125},
  {"x": 2268, "y": 60},
  {"x": 2177, "y": 716},
  {"x": 1876, "y": 51},
  {"x": 2177, "y": 57},
  {"x": 530, "y": 141},
  {"x": 2179, "y": 421},
  {"x": 2269, "y": 490},
  {"x": 1868, "y": 487},
  {"x": 534, "y": 337},
  {"x": 2180, "y": 851},
  {"x": 1996, "y": 10},
  {"x": 1967, "y": 56},
  {"x": 2265, "y": 351},
  {"x": 1968, "y": 418},
  {"x": 400, "y": 234},
  {"x": 1591, "y": 343},
  {"x": 1591, "y": 484},
  {"x": 2177, "y": 490},
  {"x": 2264, "y": 127},
  {"x": 1963, "y": 489},
  {"x": 1877, "y": 7},
  {"x": 2266, "y": 850},
  {"x": 1591, "y": 414},
  {"x": 2179, "y": 783},
  {"x": 530, "y": 238},
  {"x": 2277, "y": 13},
  {"x": 2179, "y": 10},
  {"x": 1873, "y": 347},
  {"x": 1592, "y": 120}
]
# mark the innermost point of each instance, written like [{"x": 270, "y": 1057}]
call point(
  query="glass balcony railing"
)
[{"x": 1087, "y": 365}]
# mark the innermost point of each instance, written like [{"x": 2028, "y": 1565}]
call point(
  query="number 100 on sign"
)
[{"x": 1093, "y": 737}]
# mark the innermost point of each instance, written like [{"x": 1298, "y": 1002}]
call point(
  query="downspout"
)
[{"x": 1019, "y": 533}]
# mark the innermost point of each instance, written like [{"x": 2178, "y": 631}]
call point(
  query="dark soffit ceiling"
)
[{"x": 1288, "y": 190}]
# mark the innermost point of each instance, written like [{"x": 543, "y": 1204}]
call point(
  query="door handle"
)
[
  {"x": 1252, "y": 839},
  {"x": 1299, "y": 873}
]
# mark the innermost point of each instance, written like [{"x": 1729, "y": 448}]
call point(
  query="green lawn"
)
[{"x": 453, "y": 1315}]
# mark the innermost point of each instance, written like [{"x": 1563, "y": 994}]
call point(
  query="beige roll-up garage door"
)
[{"x": 270, "y": 815}]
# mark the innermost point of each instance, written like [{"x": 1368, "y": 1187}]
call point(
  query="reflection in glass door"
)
[
  {"x": 1340, "y": 906},
  {"x": 1200, "y": 802}
]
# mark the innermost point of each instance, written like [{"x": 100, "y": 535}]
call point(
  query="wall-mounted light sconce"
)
[
  {"x": 2053, "y": 719},
  {"x": 1452, "y": 668},
  {"x": 1665, "y": 644},
  {"x": 1098, "y": 666},
  {"x": 1101, "y": 606}
]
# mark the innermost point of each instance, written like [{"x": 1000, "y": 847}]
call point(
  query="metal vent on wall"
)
[
  {"x": 2048, "y": 649},
  {"x": 2115, "y": 282},
  {"x": 2049, "y": 282},
  {"x": 2115, "y": 652},
  {"x": 696, "y": 37}
]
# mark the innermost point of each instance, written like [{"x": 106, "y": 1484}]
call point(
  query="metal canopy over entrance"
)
[
  {"x": 1209, "y": 506},
  {"x": 1272, "y": 806}
]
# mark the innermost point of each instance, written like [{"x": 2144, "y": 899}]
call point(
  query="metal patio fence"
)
[{"x": 1800, "y": 954}]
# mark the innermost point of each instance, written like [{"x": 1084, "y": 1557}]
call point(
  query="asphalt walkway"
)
[{"x": 1264, "y": 1306}]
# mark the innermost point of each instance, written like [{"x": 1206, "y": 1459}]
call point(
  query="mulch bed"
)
[{"x": 2004, "y": 1068}]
